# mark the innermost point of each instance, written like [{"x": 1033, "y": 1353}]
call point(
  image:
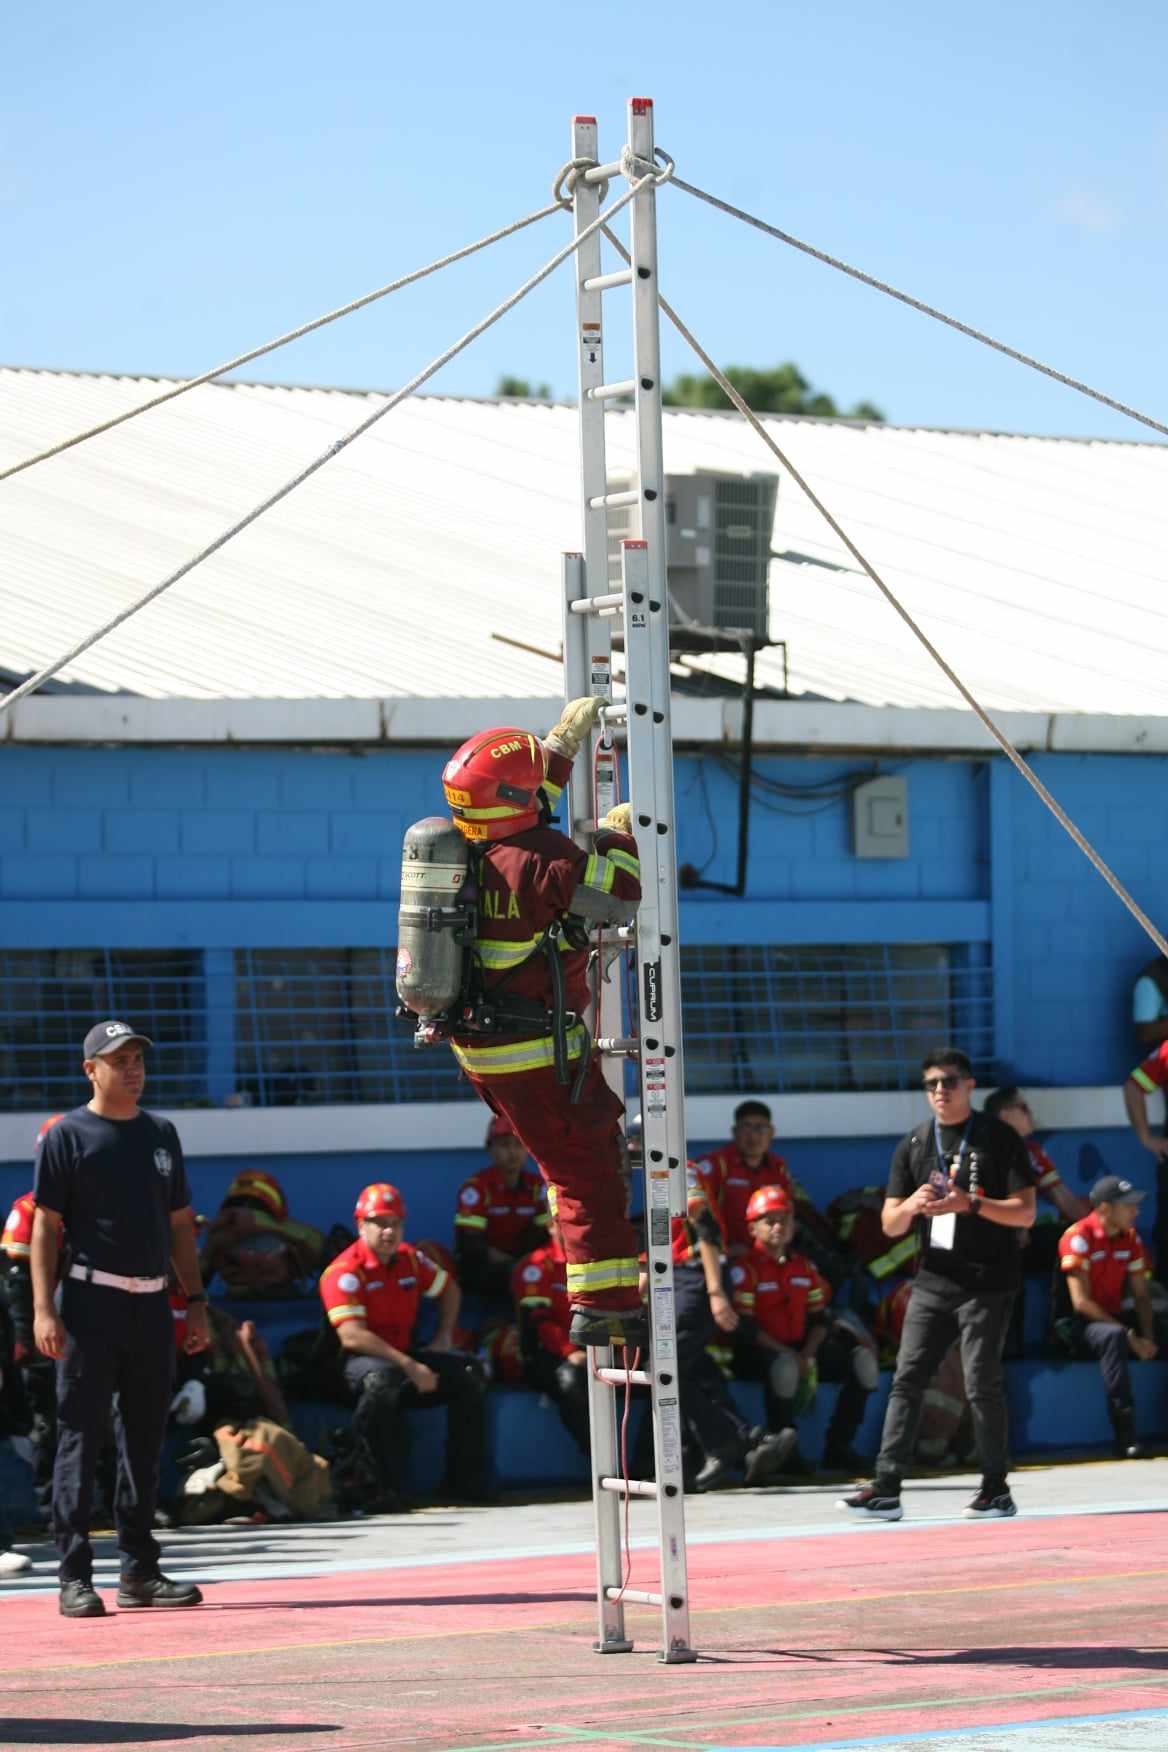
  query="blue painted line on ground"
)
[
  {"x": 239, "y": 1570},
  {"x": 989, "y": 1731}
]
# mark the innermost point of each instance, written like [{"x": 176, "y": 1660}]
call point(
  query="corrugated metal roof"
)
[{"x": 1035, "y": 564}]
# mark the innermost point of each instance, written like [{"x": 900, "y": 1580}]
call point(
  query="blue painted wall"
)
[{"x": 224, "y": 847}]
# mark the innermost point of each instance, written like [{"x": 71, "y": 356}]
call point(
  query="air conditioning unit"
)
[{"x": 719, "y": 533}]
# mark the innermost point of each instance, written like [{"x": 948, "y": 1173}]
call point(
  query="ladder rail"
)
[{"x": 590, "y": 603}]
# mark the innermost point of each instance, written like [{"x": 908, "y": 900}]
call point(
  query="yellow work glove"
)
[
  {"x": 577, "y": 721},
  {"x": 619, "y": 819}
]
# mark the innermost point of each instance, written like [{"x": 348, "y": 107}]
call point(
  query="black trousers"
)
[
  {"x": 119, "y": 1351},
  {"x": 384, "y": 1394},
  {"x": 1108, "y": 1344},
  {"x": 938, "y": 1313},
  {"x": 833, "y": 1362},
  {"x": 710, "y": 1418},
  {"x": 566, "y": 1385}
]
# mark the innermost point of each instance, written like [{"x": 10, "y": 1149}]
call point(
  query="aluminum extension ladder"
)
[{"x": 641, "y": 607}]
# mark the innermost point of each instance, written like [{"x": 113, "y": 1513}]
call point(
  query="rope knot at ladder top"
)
[{"x": 632, "y": 167}]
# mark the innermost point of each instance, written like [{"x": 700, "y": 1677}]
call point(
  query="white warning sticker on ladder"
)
[
  {"x": 600, "y": 675},
  {"x": 664, "y": 1334},
  {"x": 653, "y": 1074},
  {"x": 659, "y": 1188},
  {"x": 669, "y": 1421}
]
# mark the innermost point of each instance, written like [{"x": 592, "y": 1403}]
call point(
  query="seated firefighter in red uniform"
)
[
  {"x": 538, "y": 896},
  {"x": 371, "y": 1294},
  {"x": 786, "y": 1337},
  {"x": 501, "y": 1213}
]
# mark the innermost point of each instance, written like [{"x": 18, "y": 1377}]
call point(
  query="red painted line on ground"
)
[{"x": 824, "y": 1637}]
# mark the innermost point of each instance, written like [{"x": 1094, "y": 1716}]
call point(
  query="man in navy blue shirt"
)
[{"x": 113, "y": 1176}]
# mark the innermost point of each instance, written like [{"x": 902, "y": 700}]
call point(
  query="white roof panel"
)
[{"x": 1035, "y": 564}]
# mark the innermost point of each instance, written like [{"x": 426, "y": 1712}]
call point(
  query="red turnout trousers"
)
[{"x": 577, "y": 1147}]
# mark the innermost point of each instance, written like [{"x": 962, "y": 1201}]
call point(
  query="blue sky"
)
[{"x": 181, "y": 183}]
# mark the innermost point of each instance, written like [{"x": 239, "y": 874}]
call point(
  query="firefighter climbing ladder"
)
[
  {"x": 591, "y": 605},
  {"x": 641, "y": 608}
]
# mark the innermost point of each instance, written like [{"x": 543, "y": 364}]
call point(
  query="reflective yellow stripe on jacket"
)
[
  {"x": 520, "y": 1055},
  {"x": 603, "y": 1274}
]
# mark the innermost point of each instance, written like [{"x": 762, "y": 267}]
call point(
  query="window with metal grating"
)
[
  {"x": 50, "y": 998},
  {"x": 830, "y": 1017},
  {"x": 317, "y": 1026}
]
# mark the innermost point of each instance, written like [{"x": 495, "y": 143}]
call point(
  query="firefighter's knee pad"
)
[
  {"x": 865, "y": 1368},
  {"x": 783, "y": 1375}
]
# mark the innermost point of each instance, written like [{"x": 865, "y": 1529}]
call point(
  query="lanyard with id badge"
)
[{"x": 943, "y": 1229}]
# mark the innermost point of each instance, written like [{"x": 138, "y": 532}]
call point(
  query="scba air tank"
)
[{"x": 435, "y": 921}]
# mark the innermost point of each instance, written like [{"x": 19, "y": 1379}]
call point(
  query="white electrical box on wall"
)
[{"x": 880, "y": 818}]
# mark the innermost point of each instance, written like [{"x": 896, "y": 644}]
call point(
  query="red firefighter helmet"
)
[
  {"x": 500, "y": 1127},
  {"x": 765, "y": 1200},
  {"x": 263, "y": 1188},
  {"x": 379, "y": 1200},
  {"x": 492, "y": 783}
]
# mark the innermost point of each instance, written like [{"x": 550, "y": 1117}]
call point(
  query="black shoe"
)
[
  {"x": 157, "y": 1591},
  {"x": 713, "y": 1474},
  {"x": 619, "y": 1326},
  {"x": 845, "y": 1460},
  {"x": 871, "y": 1504},
  {"x": 763, "y": 1462},
  {"x": 79, "y": 1600},
  {"x": 1125, "y": 1446},
  {"x": 990, "y": 1505}
]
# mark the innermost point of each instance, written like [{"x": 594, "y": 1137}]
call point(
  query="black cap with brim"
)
[
  {"x": 1112, "y": 1190},
  {"x": 108, "y": 1036}
]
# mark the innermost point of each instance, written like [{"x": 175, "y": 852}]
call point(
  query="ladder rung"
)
[
  {"x": 642, "y": 1487},
  {"x": 603, "y": 282},
  {"x": 624, "y": 1377},
  {"x": 615, "y": 713},
  {"x": 597, "y": 604},
  {"x": 603, "y": 172},
  {"x": 639, "y": 1596},
  {"x": 607, "y": 501},
  {"x": 617, "y": 1045},
  {"x": 602, "y": 391}
]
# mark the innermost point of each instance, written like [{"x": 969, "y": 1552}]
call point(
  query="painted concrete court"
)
[{"x": 471, "y": 1628}]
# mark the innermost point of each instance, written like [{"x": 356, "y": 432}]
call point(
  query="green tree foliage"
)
[
  {"x": 521, "y": 386},
  {"x": 782, "y": 389}
]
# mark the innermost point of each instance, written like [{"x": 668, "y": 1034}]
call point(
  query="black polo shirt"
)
[
  {"x": 115, "y": 1182},
  {"x": 984, "y": 1255}
]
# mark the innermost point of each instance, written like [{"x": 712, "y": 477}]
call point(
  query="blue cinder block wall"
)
[{"x": 224, "y": 847}]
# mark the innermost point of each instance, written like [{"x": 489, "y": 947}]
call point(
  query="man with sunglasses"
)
[{"x": 966, "y": 1178}]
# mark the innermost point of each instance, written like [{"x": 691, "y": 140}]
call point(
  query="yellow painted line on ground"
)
[{"x": 568, "y": 1624}]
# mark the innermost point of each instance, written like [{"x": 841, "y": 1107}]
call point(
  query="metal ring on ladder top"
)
[{"x": 632, "y": 168}]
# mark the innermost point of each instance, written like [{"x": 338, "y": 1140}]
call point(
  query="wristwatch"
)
[{"x": 974, "y": 1204}]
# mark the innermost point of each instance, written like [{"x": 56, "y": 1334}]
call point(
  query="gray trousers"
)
[{"x": 938, "y": 1313}]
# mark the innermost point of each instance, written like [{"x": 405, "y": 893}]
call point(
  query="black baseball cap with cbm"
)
[
  {"x": 106, "y": 1037},
  {"x": 1112, "y": 1190}
]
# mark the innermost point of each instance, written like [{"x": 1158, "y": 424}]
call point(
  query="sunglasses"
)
[{"x": 932, "y": 1084}]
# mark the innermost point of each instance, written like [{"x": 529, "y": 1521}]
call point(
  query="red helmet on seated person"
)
[
  {"x": 500, "y": 1127},
  {"x": 766, "y": 1200},
  {"x": 264, "y": 1188},
  {"x": 492, "y": 783},
  {"x": 379, "y": 1200}
]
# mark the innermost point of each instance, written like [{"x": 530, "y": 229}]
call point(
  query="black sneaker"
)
[
  {"x": 713, "y": 1474},
  {"x": 990, "y": 1505},
  {"x": 80, "y": 1600},
  {"x": 763, "y": 1463},
  {"x": 618, "y": 1326},
  {"x": 156, "y": 1591},
  {"x": 871, "y": 1504}
]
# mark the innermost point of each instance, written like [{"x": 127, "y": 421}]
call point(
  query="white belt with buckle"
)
[{"x": 110, "y": 1280}]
